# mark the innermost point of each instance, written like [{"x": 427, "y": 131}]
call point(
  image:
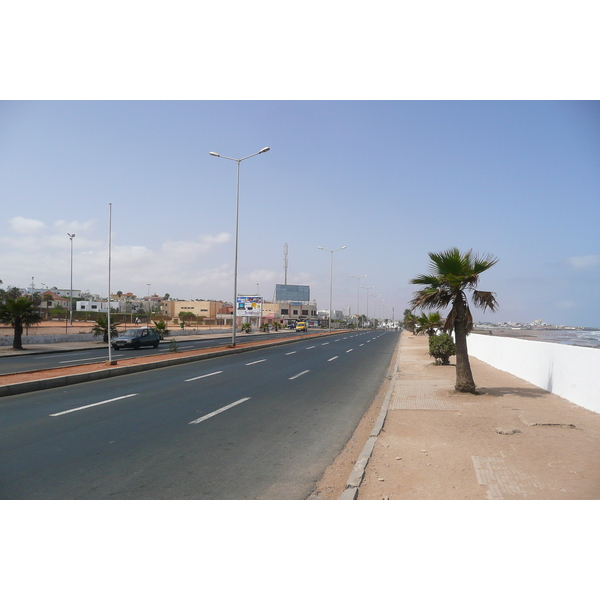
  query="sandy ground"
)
[{"x": 513, "y": 441}]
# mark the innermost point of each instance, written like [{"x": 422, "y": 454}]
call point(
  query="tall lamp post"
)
[
  {"x": 358, "y": 297},
  {"x": 237, "y": 212},
  {"x": 368, "y": 288},
  {"x": 71, "y": 236},
  {"x": 331, "y": 280}
]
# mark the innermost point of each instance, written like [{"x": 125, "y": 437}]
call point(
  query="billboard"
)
[
  {"x": 249, "y": 306},
  {"x": 287, "y": 293}
]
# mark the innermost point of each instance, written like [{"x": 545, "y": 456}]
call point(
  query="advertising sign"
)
[
  {"x": 249, "y": 306},
  {"x": 298, "y": 293}
]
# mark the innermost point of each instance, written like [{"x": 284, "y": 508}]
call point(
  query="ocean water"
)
[{"x": 589, "y": 339}]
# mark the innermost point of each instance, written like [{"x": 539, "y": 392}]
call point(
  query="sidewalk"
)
[{"x": 513, "y": 441}]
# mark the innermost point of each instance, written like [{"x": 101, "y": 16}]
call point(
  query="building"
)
[{"x": 208, "y": 309}]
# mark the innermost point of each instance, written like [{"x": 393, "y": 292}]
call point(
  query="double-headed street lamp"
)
[
  {"x": 237, "y": 210},
  {"x": 358, "y": 298},
  {"x": 331, "y": 280}
]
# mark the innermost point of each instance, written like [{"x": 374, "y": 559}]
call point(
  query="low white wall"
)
[{"x": 572, "y": 372}]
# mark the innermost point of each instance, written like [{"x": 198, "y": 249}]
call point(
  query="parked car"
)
[{"x": 136, "y": 338}]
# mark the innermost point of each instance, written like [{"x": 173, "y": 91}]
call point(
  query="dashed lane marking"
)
[
  {"x": 202, "y": 376},
  {"x": 64, "y": 412},
  {"x": 216, "y": 412},
  {"x": 299, "y": 374}
]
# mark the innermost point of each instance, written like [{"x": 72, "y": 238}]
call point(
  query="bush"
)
[{"x": 442, "y": 347}]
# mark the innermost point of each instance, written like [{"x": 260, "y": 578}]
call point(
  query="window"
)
[
  {"x": 304, "y": 312},
  {"x": 285, "y": 311},
  {"x": 295, "y": 312}
]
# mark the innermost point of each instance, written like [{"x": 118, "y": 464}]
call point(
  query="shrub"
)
[{"x": 442, "y": 347}]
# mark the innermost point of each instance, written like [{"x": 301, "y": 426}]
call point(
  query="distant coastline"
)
[{"x": 587, "y": 337}]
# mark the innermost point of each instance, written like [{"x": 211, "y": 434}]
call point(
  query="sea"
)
[{"x": 587, "y": 338}]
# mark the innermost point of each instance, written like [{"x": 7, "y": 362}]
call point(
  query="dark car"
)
[{"x": 136, "y": 338}]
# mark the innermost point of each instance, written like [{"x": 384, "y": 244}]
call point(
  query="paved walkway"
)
[{"x": 514, "y": 441}]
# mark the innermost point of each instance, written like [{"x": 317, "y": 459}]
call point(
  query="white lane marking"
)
[
  {"x": 256, "y": 362},
  {"x": 362, "y": 344},
  {"x": 288, "y": 353},
  {"x": 216, "y": 412},
  {"x": 325, "y": 344},
  {"x": 71, "y": 354},
  {"x": 349, "y": 350},
  {"x": 207, "y": 375},
  {"x": 298, "y": 375},
  {"x": 310, "y": 347},
  {"x": 330, "y": 359},
  {"x": 63, "y": 362},
  {"x": 64, "y": 412}
]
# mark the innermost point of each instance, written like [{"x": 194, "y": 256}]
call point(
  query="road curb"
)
[
  {"x": 24, "y": 387},
  {"x": 358, "y": 472}
]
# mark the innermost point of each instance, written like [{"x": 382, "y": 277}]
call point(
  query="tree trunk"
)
[
  {"x": 17, "y": 342},
  {"x": 464, "y": 377}
]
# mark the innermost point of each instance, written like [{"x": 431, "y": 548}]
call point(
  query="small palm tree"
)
[
  {"x": 428, "y": 323},
  {"x": 101, "y": 328},
  {"x": 18, "y": 312},
  {"x": 452, "y": 274}
]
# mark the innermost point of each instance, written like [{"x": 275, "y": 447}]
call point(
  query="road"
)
[
  {"x": 259, "y": 425},
  {"x": 51, "y": 360}
]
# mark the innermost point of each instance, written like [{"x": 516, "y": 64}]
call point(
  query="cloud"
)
[
  {"x": 27, "y": 226},
  {"x": 74, "y": 226},
  {"x": 189, "y": 250},
  {"x": 583, "y": 262}
]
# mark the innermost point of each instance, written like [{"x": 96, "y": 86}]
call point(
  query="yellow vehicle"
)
[{"x": 301, "y": 326}]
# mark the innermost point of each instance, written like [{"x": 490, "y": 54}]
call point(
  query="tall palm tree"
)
[
  {"x": 18, "y": 312},
  {"x": 453, "y": 273}
]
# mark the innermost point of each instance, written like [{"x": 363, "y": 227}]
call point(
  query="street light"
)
[
  {"x": 331, "y": 280},
  {"x": 71, "y": 236},
  {"x": 358, "y": 297},
  {"x": 368, "y": 288},
  {"x": 237, "y": 212}
]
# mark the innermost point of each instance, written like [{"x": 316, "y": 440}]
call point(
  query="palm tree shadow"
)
[{"x": 522, "y": 392}]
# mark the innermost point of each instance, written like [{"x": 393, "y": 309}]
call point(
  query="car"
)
[
  {"x": 136, "y": 338},
  {"x": 301, "y": 326}
]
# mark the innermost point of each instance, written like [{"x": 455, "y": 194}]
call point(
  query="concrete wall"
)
[
  {"x": 7, "y": 340},
  {"x": 572, "y": 372}
]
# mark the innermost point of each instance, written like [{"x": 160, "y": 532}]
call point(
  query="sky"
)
[{"x": 390, "y": 180}]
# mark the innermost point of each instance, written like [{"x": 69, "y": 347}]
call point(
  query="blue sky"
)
[{"x": 391, "y": 180}]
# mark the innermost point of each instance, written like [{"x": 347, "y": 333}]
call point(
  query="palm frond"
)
[{"x": 485, "y": 300}]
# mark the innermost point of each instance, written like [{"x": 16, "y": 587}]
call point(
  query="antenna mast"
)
[{"x": 285, "y": 262}]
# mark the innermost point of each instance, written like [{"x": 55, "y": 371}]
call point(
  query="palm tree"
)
[
  {"x": 428, "y": 323},
  {"x": 452, "y": 274},
  {"x": 18, "y": 312},
  {"x": 101, "y": 327}
]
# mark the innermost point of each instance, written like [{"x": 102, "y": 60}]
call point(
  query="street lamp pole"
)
[
  {"x": 331, "y": 280},
  {"x": 368, "y": 288},
  {"x": 358, "y": 297},
  {"x": 71, "y": 236},
  {"x": 237, "y": 212}
]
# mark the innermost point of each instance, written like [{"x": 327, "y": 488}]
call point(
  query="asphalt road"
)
[
  {"x": 259, "y": 425},
  {"x": 51, "y": 360}
]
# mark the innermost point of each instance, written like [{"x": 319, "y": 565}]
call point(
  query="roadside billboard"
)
[
  {"x": 298, "y": 293},
  {"x": 249, "y": 306}
]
